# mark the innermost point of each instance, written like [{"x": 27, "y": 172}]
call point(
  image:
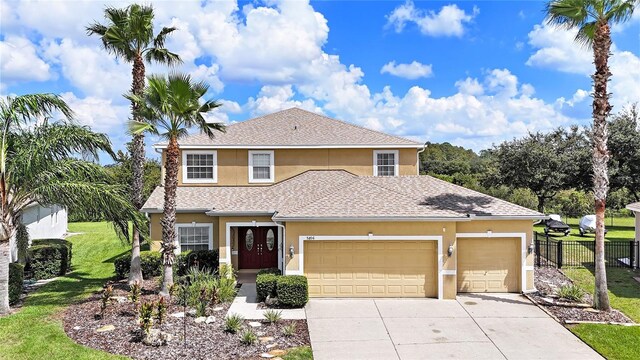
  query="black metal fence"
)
[{"x": 565, "y": 253}]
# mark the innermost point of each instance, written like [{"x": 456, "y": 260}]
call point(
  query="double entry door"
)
[{"x": 257, "y": 247}]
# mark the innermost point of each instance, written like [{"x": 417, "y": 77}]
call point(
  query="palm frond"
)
[
  {"x": 567, "y": 13},
  {"x": 25, "y": 108},
  {"x": 584, "y": 37},
  {"x": 161, "y": 37}
]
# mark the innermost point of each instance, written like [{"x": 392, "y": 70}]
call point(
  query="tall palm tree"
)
[
  {"x": 129, "y": 35},
  {"x": 41, "y": 164},
  {"x": 171, "y": 106},
  {"x": 593, "y": 19}
]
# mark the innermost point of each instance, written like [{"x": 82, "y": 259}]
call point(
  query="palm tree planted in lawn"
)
[
  {"x": 593, "y": 19},
  {"x": 41, "y": 164},
  {"x": 170, "y": 107},
  {"x": 129, "y": 35}
]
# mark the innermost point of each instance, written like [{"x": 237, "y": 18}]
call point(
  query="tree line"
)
[{"x": 550, "y": 172}]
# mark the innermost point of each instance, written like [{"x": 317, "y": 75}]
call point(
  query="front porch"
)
[{"x": 250, "y": 246}]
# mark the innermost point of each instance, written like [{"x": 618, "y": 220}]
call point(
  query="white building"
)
[
  {"x": 43, "y": 222},
  {"x": 635, "y": 207}
]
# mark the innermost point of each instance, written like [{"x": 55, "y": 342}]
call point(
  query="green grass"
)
[
  {"x": 35, "y": 332},
  {"x": 624, "y": 291},
  {"x": 621, "y": 230},
  {"x": 612, "y": 341},
  {"x": 299, "y": 353}
]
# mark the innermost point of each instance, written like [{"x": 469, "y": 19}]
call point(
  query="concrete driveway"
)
[{"x": 475, "y": 326}]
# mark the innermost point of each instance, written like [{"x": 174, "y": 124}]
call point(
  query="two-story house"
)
[{"x": 346, "y": 207}]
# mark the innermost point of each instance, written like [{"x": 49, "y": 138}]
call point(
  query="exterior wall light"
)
[
  {"x": 450, "y": 250},
  {"x": 291, "y": 249},
  {"x": 530, "y": 248}
]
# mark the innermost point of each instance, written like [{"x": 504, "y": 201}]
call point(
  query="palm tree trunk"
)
[
  {"x": 4, "y": 275},
  {"x": 137, "y": 164},
  {"x": 601, "y": 109},
  {"x": 169, "y": 216}
]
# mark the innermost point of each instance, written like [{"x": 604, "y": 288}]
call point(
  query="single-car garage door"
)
[
  {"x": 359, "y": 268},
  {"x": 488, "y": 265}
]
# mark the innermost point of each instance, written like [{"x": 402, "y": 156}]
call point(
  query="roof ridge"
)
[{"x": 354, "y": 125}]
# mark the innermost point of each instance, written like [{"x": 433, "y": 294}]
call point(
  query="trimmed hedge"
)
[
  {"x": 292, "y": 290},
  {"x": 201, "y": 259},
  {"x": 274, "y": 271},
  {"x": 16, "y": 277},
  {"x": 266, "y": 285},
  {"x": 48, "y": 258},
  {"x": 150, "y": 262}
]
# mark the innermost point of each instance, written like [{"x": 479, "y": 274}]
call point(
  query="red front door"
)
[{"x": 258, "y": 247}]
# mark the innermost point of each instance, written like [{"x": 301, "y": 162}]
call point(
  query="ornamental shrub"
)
[
  {"x": 16, "y": 277},
  {"x": 266, "y": 285},
  {"x": 48, "y": 258},
  {"x": 202, "y": 259},
  {"x": 150, "y": 262},
  {"x": 274, "y": 271},
  {"x": 292, "y": 290},
  {"x": 22, "y": 243}
]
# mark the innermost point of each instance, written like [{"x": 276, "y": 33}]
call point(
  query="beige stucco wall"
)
[
  {"x": 233, "y": 165},
  {"x": 637, "y": 214},
  {"x": 294, "y": 230}
]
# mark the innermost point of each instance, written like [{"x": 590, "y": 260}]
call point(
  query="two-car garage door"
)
[{"x": 371, "y": 268}]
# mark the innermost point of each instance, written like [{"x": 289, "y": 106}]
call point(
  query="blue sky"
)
[{"x": 472, "y": 73}]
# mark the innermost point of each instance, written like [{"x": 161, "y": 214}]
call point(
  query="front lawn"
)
[
  {"x": 619, "y": 229},
  {"x": 35, "y": 331},
  {"x": 612, "y": 341}
]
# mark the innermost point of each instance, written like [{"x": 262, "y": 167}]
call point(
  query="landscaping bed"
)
[
  {"x": 549, "y": 281},
  {"x": 204, "y": 340}
]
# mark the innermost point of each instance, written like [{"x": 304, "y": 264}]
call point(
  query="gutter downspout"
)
[
  {"x": 424, "y": 147},
  {"x": 284, "y": 242},
  {"x": 161, "y": 166}
]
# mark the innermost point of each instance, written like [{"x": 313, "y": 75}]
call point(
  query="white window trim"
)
[
  {"x": 271, "y": 166},
  {"x": 186, "y": 180},
  {"x": 396, "y": 160},
  {"x": 192, "y": 224}
]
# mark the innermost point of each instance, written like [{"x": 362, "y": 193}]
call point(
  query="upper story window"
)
[
  {"x": 385, "y": 162},
  {"x": 199, "y": 166},
  {"x": 261, "y": 167}
]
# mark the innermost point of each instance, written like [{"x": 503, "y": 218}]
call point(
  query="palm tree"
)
[
  {"x": 129, "y": 35},
  {"x": 41, "y": 164},
  {"x": 171, "y": 106},
  {"x": 593, "y": 19}
]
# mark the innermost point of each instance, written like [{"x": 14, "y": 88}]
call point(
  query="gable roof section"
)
[
  {"x": 295, "y": 128},
  {"x": 335, "y": 195}
]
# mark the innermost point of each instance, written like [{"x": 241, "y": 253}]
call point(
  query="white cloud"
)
[
  {"x": 556, "y": 49},
  {"x": 20, "y": 62},
  {"x": 275, "y": 98},
  {"x": 411, "y": 71},
  {"x": 100, "y": 114},
  {"x": 450, "y": 21},
  {"x": 469, "y": 86}
]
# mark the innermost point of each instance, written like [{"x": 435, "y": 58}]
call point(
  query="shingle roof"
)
[
  {"x": 295, "y": 127},
  {"x": 337, "y": 194}
]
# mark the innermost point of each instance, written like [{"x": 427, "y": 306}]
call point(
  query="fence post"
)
[
  {"x": 632, "y": 254},
  {"x": 536, "y": 241},
  {"x": 559, "y": 254}
]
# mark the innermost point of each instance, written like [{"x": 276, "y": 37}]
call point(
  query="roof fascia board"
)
[
  {"x": 346, "y": 146},
  {"x": 368, "y": 219},
  {"x": 180, "y": 210},
  {"x": 239, "y": 213}
]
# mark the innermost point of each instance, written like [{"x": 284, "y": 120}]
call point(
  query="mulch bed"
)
[
  {"x": 203, "y": 341},
  {"x": 548, "y": 280}
]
